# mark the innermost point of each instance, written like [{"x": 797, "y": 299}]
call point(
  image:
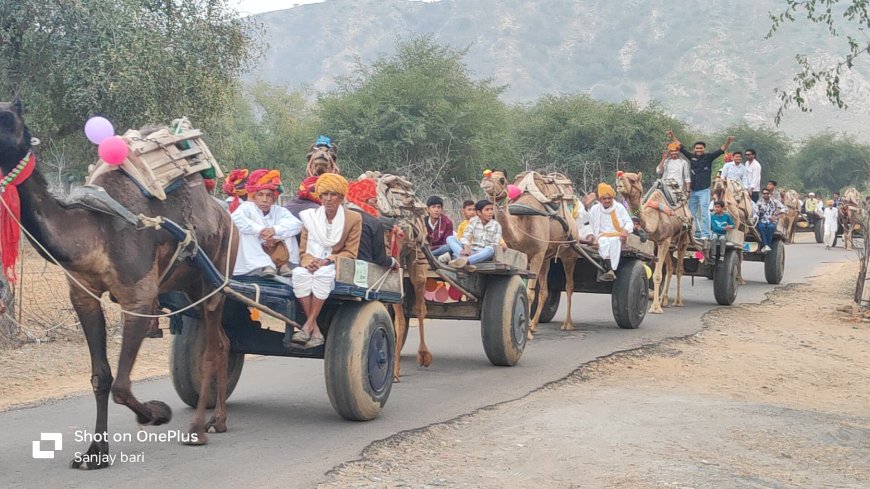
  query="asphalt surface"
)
[{"x": 283, "y": 430}]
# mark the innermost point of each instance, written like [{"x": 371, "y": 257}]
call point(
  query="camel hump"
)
[{"x": 670, "y": 189}]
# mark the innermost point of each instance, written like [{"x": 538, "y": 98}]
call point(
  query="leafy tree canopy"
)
[{"x": 830, "y": 162}]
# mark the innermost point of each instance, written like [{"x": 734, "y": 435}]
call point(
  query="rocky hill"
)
[{"x": 706, "y": 61}]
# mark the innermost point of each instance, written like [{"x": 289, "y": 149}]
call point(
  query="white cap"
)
[{"x": 812, "y": 194}]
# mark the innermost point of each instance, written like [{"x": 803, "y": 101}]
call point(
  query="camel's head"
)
[
  {"x": 494, "y": 184},
  {"x": 792, "y": 199},
  {"x": 718, "y": 187},
  {"x": 321, "y": 159},
  {"x": 629, "y": 184},
  {"x": 14, "y": 136}
]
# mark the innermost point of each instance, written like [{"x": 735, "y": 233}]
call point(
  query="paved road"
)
[{"x": 283, "y": 431}]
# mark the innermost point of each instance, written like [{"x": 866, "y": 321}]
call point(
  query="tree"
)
[
  {"x": 418, "y": 113},
  {"x": 829, "y": 162},
  {"x": 851, "y": 17},
  {"x": 136, "y": 61}
]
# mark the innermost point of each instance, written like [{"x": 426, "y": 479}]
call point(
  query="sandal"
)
[
  {"x": 300, "y": 337},
  {"x": 314, "y": 342}
]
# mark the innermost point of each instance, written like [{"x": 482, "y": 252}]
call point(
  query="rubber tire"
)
[
  {"x": 725, "y": 279},
  {"x": 504, "y": 320},
  {"x": 551, "y": 307},
  {"x": 629, "y": 297},
  {"x": 347, "y": 361},
  {"x": 774, "y": 263},
  {"x": 185, "y": 357},
  {"x": 819, "y": 231}
]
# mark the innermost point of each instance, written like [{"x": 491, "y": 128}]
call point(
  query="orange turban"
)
[
  {"x": 306, "y": 190},
  {"x": 605, "y": 190},
  {"x": 234, "y": 186},
  {"x": 674, "y": 147},
  {"x": 362, "y": 190},
  {"x": 331, "y": 182},
  {"x": 264, "y": 179},
  {"x": 729, "y": 157}
]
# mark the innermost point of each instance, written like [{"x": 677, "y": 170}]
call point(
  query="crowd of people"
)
[{"x": 329, "y": 218}]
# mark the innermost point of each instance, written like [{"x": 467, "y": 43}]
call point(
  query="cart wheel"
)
[
  {"x": 359, "y": 360},
  {"x": 819, "y": 231},
  {"x": 774, "y": 263},
  {"x": 725, "y": 279},
  {"x": 550, "y": 307},
  {"x": 185, "y": 363},
  {"x": 629, "y": 297},
  {"x": 504, "y": 320}
]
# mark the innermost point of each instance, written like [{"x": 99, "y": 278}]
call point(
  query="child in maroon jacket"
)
[{"x": 439, "y": 226}]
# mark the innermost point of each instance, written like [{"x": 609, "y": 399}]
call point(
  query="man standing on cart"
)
[
  {"x": 702, "y": 169},
  {"x": 611, "y": 225}
]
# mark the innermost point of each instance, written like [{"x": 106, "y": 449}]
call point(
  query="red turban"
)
[
  {"x": 234, "y": 186},
  {"x": 264, "y": 179},
  {"x": 306, "y": 190},
  {"x": 362, "y": 190}
]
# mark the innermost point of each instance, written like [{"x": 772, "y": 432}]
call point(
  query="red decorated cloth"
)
[
  {"x": 362, "y": 190},
  {"x": 10, "y": 233},
  {"x": 306, "y": 190}
]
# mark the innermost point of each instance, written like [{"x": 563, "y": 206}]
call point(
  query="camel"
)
[
  {"x": 850, "y": 214},
  {"x": 540, "y": 238},
  {"x": 322, "y": 160},
  {"x": 104, "y": 255},
  {"x": 791, "y": 200},
  {"x": 668, "y": 228},
  {"x": 738, "y": 204}
]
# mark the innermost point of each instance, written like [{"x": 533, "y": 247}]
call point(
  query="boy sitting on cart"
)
[
  {"x": 721, "y": 222},
  {"x": 479, "y": 239}
]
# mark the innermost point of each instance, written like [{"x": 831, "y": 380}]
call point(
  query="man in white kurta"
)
[
  {"x": 261, "y": 221},
  {"x": 584, "y": 226},
  {"x": 611, "y": 224},
  {"x": 831, "y": 215}
]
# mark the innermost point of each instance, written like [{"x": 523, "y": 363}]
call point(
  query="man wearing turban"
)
[
  {"x": 675, "y": 168},
  {"x": 611, "y": 224},
  {"x": 234, "y": 187},
  {"x": 267, "y": 244},
  {"x": 305, "y": 198},
  {"x": 831, "y": 216},
  {"x": 329, "y": 233},
  {"x": 362, "y": 198}
]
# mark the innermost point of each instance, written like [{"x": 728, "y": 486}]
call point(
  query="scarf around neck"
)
[{"x": 321, "y": 238}]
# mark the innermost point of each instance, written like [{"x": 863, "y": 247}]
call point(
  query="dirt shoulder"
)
[{"x": 768, "y": 395}]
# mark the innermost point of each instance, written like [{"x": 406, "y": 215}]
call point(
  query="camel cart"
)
[
  {"x": 810, "y": 223},
  {"x": 629, "y": 297},
  {"x": 360, "y": 338},
  {"x": 702, "y": 260},
  {"x": 494, "y": 294}
]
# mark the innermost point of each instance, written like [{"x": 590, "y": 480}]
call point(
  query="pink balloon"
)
[
  {"x": 113, "y": 150},
  {"x": 441, "y": 294},
  {"x": 429, "y": 295},
  {"x": 513, "y": 191},
  {"x": 454, "y": 293},
  {"x": 97, "y": 129}
]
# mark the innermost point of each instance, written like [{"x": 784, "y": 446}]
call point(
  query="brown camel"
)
[
  {"x": 791, "y": 200},
  {"x": 738, "y": 204},
  {"x": 322, "y": 160},
  {"x": 105, "y": 255},
  {"x": 540, "y": 238},
  {"x": 850, "y": 215},
  {"x": 669, "y": 228}
]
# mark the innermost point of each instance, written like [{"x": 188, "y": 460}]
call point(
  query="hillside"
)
[{"x": 706, "y": 61}]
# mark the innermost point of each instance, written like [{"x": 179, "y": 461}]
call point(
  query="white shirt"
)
[
  {"x": 754, "y": 175},
  {"x": 676, "y": 170},
  {"x": 602, "y": 223},
  {"x": 732, "y": 171},
  {"x": 251, "y": 221}
]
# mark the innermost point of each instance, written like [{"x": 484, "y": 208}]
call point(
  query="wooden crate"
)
[
  {"x": 366, "y": 275},
  {"x": 514, "y": 258},
  {"x": 735, "y": 236}
]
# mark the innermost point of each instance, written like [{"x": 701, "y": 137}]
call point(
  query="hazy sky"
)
[{"x": 248, "y": 7}]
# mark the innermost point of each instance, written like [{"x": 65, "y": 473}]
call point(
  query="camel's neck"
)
[
  {"x": 508, "y": 232},
  {"x": 41, "y": 214}
]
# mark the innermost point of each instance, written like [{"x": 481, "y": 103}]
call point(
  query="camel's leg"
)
[
  {"x": 669, "y": 272},
  {"x": 740, "y": 280},
  {"x": 681, "y": 251},
  {"x": 569, "y": 264},
  {"x": 401, "y": 325},
  {"x": 135, "y": 328},
  {"x": 93, "y": 323},
  {"x": 214, "y": 364},
  {"x": 664, "y": 249},
  {"x": 543, "y": 293},
  {"x": 418, "y": 272},
  {"x": 535, "y": 263}
]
